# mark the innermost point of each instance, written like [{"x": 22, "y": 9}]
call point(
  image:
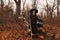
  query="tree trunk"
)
[
  {"x": 18, "y": 7},
  {"x": 34, "y": 4},
  {"x": 2, "y": 4},
  {"x": 18, "y": 10},
  {"x": 57, "y": 7}
]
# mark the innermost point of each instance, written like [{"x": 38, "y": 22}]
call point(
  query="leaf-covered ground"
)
[{"x": 15, "y": 31}]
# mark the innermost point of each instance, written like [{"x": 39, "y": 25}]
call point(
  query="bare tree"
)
[
  {"x": 50, "y": 8},
  {"x": 46, "y": 7},
  {"x": 53, "y": 8},
  {"x": 1, "y": 9},
  {"x": 58, "y": 7},
  {"x": 24, "y": 2},
  {"x": 18, "y": 7},
  {"x": 35, "y": 3},
  {"x": 2, "y": 4}
]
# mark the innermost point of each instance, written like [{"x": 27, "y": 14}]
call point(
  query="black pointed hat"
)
[{"x": 31, "y": 11}]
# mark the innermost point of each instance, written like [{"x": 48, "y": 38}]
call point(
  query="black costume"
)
[{"x": 34, "y": 20}]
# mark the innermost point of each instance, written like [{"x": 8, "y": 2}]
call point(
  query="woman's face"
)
[{"x": 33, "y": 13}]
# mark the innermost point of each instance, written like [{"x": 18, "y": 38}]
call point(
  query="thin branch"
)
[
  {"x": 37, "y": 3},
  {"x": 53, "y": 6},
  {"x": 15, "y": 1},
  {"x": 24, "y": 4}
]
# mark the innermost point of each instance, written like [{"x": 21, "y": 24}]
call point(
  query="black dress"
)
[{"x": 34, "y": 24}]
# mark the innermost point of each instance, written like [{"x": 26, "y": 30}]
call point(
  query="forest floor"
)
[{"x": 14, "y": 31}]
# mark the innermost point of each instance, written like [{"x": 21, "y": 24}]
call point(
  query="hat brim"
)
[{"x": 31, "y": 11}]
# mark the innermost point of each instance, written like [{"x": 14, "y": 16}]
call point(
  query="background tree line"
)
[{"x": 49, "y": 10}]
